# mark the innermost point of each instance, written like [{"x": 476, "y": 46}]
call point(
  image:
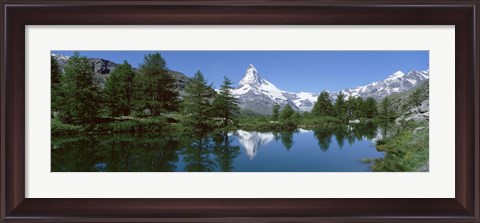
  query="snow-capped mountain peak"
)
[
  {"x": 251, "y": 77},
  {"x": 252, "y": 82},
  {"x": 397, "y": 82},
  {"x": 260, "y": 95},
  {"x": 60, "y": 57},
  {"x": 396, "y": 75}
]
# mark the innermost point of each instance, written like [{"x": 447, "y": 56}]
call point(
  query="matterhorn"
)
[{"x": 259, "y": 95}]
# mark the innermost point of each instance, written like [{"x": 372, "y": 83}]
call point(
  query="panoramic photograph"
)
[{"x": 239, "y": 111}]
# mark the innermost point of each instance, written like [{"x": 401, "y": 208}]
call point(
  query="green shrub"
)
[
  {"x": 133, "y": 126},
  {"x": 58, "y": 128},
  {"x": 156, "y": 124}
]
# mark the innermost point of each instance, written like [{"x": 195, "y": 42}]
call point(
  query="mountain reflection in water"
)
[{"x": 251, "y": 141}]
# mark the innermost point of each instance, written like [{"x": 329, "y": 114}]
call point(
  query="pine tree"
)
[
  {"x": 119, "y": 90},
  {"x": 350, "y": 107},
  {"x": 225, "y": 104},
  {"x": 55, "y": 80},
  {"x": 56, "y": 74},
  {"x": 415, "y": 98},
  {"x": 323, "y": 106},
  {"x": 155, "y": 88},
  {"x": 275, "y": 112},
  {"x": 196, "y": 105},
  {"x": 287, "y": 113},
  {"x": 340, "y": 106},
  {"x": 359, "y": 108},
  {"x": 289, "y": 117},
  {"x": 386, "y": 109},
  {"x": 370, "y": 108},
  {"x": 80, "y": 93}
]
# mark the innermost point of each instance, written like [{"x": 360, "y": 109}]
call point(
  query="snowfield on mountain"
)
[{"x": 260, "y": 95}]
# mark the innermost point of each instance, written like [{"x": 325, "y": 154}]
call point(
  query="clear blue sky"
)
[{"x": 294, "y": 71}]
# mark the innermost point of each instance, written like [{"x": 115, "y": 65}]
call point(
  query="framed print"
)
[
  {"x": 253, "y": 145},
  {"x": 308, "y": 111}
]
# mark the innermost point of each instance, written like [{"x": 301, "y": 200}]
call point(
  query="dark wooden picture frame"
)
[{"x": 463, "y": 14}]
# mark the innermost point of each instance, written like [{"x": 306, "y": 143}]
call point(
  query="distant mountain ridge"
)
[
  {"x": 259, "y": 95},
  {"x": 398, "y": 82},
  {"x": 103, "y": 68}
]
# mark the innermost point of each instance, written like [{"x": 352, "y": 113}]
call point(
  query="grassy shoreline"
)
[
  {"x": 406, "y": 151},
  {"x": 173, "y": 123}
]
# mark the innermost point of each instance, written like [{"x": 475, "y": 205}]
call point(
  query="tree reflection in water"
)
[
  {"x": 210, "y": 152},
  {"x": 225, "y": 153},
  {"x": 198, "y": 151},
  {"x": 351, "y": 133},
  {"x": 115, "y": 153},
  {"x": 287, "y": 139},
  {"x": 197, "y": 154}
]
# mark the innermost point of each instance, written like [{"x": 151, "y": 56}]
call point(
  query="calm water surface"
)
[{"x": 317, "y": 150}]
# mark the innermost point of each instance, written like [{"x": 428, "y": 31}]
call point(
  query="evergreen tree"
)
[
  {"x": 415, "y": 98},
  {"x": 80, "y": 93},
  {"x": 323, "y": 106},
  {"x": 55, "y": 80},
  {"x": 289, "y": 117},
  {"x": 359, "y": 108},
  {"x": 196, "y": 105},
  {"x": 340, "y": 106},
  {"x": 119, "y": 90},
  {"x": 386, "y": 109},
  {"x": 225, "y": 104},
  {"x": 287, "y": 113},
  {"x": 56, "y": 74},
  {"x": 350, "y": 107},
  {"x": 155, "y": 89},
  {"x": 370, "y": 108},
  {"x": 275, "y": 112}
]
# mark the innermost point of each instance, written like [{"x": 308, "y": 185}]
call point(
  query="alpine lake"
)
[{"x": 342, "y": 149}]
